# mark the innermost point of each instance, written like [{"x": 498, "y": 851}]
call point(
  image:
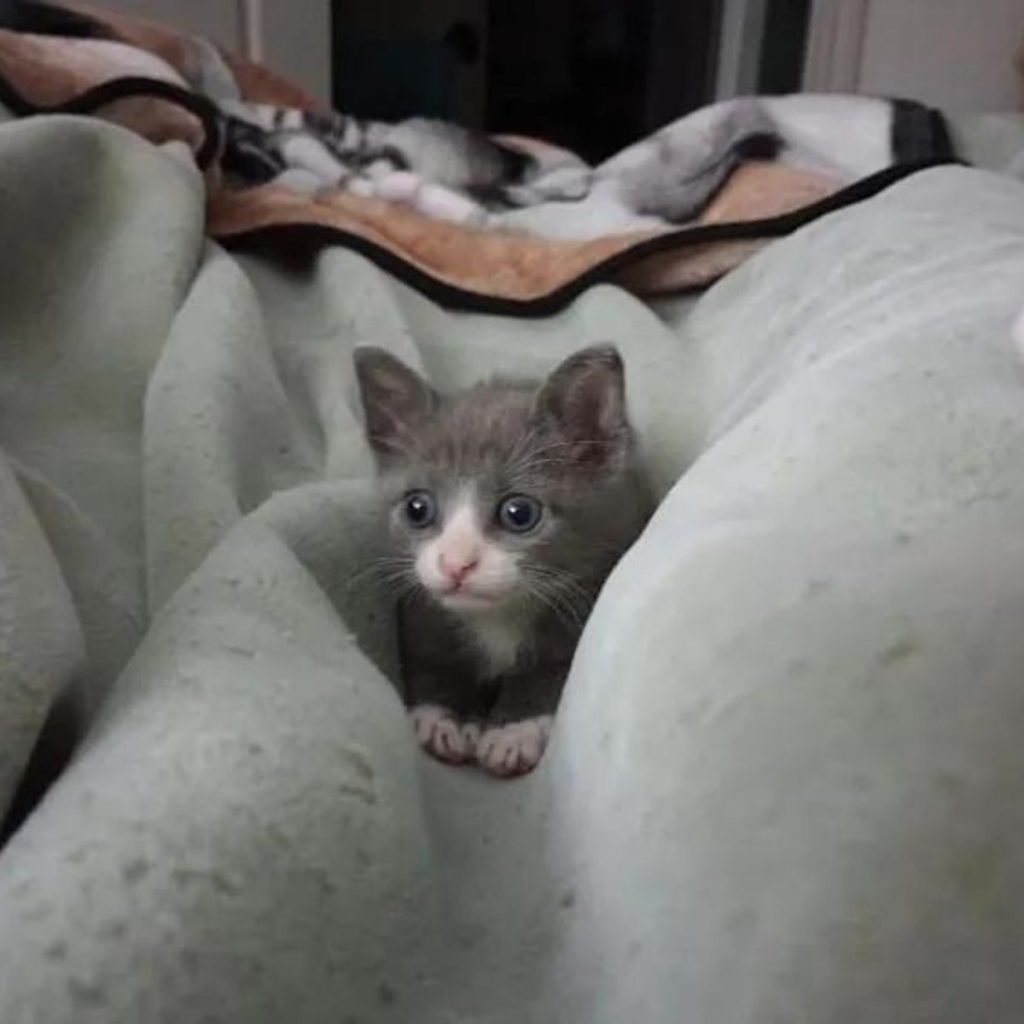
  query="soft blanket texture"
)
[
  {"x": 785, "y": 780},
  {"x": 167, "y": 86}
]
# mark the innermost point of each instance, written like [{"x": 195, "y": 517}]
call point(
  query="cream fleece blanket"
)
[{"x": 785, "y": 783}]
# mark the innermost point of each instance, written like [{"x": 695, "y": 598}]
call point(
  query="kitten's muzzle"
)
[{"x": 456, "y": 571}]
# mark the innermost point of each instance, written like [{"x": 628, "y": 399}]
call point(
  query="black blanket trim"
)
[
  {"x": 98, "y": 96},
  {"x": 304, "y": 240},
  {"x": 919, "y": 132}
]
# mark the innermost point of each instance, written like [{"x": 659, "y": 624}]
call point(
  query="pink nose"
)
[{"x": 458, "y": 569}]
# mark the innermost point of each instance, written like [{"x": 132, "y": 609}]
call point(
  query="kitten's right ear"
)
[
  {"x": 395, "y": 399},
  {"x": 585, "y": 402}
]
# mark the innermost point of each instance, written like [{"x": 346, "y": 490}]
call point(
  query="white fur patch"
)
[
  {"x": 499, "y": 637},
  {"x": 513, "y": 749},
  {"x": 441, "y": 735},
  {"x": 462, "y": 542},
  {"x": 495, "y": 624}
]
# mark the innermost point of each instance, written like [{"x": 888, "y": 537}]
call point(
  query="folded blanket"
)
[{"x": 279, "y": 172}]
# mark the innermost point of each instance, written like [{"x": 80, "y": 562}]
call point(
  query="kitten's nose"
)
[{"x": 457, "y": 569}]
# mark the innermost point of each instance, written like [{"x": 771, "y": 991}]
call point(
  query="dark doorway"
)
[
  {"x": 593, "y": 75},
  {"x": 781, "y": 67}
]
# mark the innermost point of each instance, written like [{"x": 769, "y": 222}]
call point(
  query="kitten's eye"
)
[
  {"x": 419, "y": 509},
  {"x": 518, "y": 513}
]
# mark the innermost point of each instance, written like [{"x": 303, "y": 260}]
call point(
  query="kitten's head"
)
[{"x": 508, "y": 493}]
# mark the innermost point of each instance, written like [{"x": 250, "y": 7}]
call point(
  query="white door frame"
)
[
  {"x": 741, "y": 36},
  {"x": 292, "y": 39},
  {"x": 835, "y": 42}
]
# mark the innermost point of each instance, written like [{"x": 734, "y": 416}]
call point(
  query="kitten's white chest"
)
[{"x": 499, "y": 639}]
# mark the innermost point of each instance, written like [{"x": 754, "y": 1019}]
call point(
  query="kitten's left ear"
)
[
  {"x": 585, "y": 401},
  {"x": 395, "y": 399}
]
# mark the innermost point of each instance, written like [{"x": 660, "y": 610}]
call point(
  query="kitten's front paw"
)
[
  {"x": 442, "y": 735},
  {"x": 513, "y": 749}
]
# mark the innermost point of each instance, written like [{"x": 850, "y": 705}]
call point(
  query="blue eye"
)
[
  {"x": 518, "y": 513},
  {"x": 419, "y": 509}
]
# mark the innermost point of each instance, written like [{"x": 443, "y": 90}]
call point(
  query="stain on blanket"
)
[{"x": 898, "y": 652}]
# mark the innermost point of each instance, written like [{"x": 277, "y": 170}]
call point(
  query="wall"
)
[
  {"x": 216, "y": 18},
  {"x": 297, "y": 42},
  {"x": 295, "y": 38},
  {"x": 424, "y": 19},
  {"x": 956, "y": 54}
]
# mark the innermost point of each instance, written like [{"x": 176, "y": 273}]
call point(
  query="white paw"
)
[
  {"x": 398, "y": 186},
  {"x": 441, "y": 735},
  {"x": 513, "y": 749},
  {"x": 445, "y": 204},
  {"x": 360, "y": 186},
  {"x": 300, "y": 180}
]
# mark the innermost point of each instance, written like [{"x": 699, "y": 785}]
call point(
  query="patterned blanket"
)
[{"x": 279, "y": 175}]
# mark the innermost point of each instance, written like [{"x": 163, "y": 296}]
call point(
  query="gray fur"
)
[
  {"x": 567, "y": 443},
  {"x": 673, "y": 174}
]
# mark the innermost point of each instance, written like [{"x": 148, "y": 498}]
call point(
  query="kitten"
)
[
  {"x": 509, "y": 503},
  {"x": 438, "y": 168}
]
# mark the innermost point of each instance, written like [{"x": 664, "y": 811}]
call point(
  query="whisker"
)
[
  {"x": 560, "y": 592},
  {"x": 384, "y": 570}
]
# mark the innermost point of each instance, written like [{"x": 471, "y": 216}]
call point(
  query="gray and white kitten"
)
[
  {"x": 509, "y": 503},
  {"x": 438, "y": 168}
]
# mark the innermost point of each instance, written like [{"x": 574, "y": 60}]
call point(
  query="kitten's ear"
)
[
  {"x": 584, "y": 399},
  {"x": 395, "y": 398}
]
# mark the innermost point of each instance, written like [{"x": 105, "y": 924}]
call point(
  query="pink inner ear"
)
[
  {"x": 593, "y": 413},
  {"x": 591, "y": 419},
  {"x": 394, "y": 398},
  {"x": 591, "y": 454},
  {"x": 388, "y": 430}
]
